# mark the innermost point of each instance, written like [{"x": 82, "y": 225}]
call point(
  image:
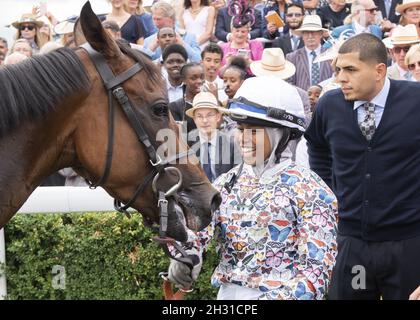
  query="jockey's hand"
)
[{"x": 181, "y": 275}]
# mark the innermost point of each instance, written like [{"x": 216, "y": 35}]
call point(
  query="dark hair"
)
[
  {"x": 212, "y": 48},
  {"x": 174, "y": 48},
  {"x": 112, "y": 25},
  {"x": 188, "y": 66},
  {"x": 239, "y": 64},
  {"x": 297, "y": 5},
  {"x": 4, "y": 41},
  {"x": 187, "y": 3},
  {"x": 369, "y": 47}
]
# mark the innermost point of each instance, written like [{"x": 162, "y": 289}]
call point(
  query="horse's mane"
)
[{"x": 32, "y": 88}]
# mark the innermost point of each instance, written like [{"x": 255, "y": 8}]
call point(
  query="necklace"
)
[{"x": 195, "y": 11}]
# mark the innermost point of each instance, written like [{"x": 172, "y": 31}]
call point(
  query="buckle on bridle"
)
[{"x": 120, "y": 95}]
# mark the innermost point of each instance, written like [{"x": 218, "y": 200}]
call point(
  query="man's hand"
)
[
  {"x": 179, "y": 39},
  {"x": 415, "y": 295},
  {"x": 271, "y": 28}
]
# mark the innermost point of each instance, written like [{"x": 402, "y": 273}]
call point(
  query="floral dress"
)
[{"x": 276, "y": 233}]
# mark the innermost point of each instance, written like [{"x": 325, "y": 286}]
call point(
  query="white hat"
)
[
  {"x": 311, "y": 23},
  {"x": 203, "y": 100},
  {"x": 66, "y": 26},
  {"x": 268, "y": 100},
  {"x": 402, "y": 35},
  {"x": 273, "y": 63},
  {"x": 407, "y": 4}
]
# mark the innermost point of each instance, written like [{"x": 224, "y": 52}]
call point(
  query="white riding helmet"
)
[{"x": 267, "y": 101}]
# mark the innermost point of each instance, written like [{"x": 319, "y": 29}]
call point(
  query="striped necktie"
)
[{"x": 315, "y": 70}]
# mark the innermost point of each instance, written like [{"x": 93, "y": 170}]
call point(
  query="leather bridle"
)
[{"x": 113, "y": 85}]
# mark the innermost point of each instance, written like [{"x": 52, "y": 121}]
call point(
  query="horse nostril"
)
[{"x": 215, "y": 202}]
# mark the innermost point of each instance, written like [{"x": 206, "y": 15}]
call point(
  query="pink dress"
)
[{"x": 256, "y": 49}]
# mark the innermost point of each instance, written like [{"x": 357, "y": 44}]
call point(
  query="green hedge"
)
[{"x": 105, "y": 256}]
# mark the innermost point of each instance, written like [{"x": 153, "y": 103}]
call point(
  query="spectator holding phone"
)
[{"x": 240, "y": 43}]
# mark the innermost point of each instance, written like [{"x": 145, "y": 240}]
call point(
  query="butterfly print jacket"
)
[{"x": 276, "y": 233}]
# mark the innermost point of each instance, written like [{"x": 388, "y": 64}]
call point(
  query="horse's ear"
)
[
  {"x": 95, "y": 34},
  {"x": 79, "y": 37}
]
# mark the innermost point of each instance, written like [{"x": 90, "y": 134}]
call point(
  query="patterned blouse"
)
[{"x": 276, "y": 233}]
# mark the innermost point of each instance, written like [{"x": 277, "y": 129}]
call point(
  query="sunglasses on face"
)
[
  {"x": 297, "y": 15},
  {"x": 23, "y": 27},
  {"x": 372, "y": 11},
  {"x": 412, "y": 66},
  {"x": 397, "y": 50}
]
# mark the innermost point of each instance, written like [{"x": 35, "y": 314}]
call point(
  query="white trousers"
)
[{"x": 232, "y": 291}]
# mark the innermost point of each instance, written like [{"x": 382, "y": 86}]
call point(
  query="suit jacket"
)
[
  {"x": 394, "y": 73},
  {"x": 227, "y": 151},
  {"x": 392, "y": 16},
  {"x": 285, "y": 44},
  {"x": 223, "y": 25},
  {"x": 302, "y": 77}
]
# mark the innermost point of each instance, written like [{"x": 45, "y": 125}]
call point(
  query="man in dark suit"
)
[
  {"x": 215, "y": 149},
  {"x": 363, "y": 142},
  {"x": 223, "y": 24},
  {"x": 290, "y": 40},
  {"x": 308, "y": 71},
  {"x": 387, "y": 8}
]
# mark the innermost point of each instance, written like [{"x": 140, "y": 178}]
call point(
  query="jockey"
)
[{"x": 277, "y": 222}]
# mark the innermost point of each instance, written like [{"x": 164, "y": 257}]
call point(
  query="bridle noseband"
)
[{"x": 113, "y": 85}]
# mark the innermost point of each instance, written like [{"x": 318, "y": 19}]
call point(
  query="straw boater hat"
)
[
  {"x": 203, "y": 100},
  {"x": 28, "y": 18},
  {"x": 407, "y": 4},
  {"x": 273, "y": 63},
  {"x": 402, "y": 35},
  {"x": 311, "y": 23}
]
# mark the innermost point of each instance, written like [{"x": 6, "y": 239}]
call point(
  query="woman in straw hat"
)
[
  {"x": 410, "y": 13},
  {"x": 28, "y": 27},
  {"x": 277, "y": 221}
]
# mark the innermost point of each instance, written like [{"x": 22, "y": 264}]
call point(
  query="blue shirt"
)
[{"x": 379, "y": 101}]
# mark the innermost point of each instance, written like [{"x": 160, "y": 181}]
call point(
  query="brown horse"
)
[{"x": 54, "y": 114}]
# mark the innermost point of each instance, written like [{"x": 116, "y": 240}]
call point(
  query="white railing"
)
[{"x": 58, "y": 199}]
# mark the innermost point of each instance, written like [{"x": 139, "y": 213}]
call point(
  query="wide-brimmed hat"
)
[
  {"x": 311, "y": 23},
  {"x": 203, "y": 100},
  {"x": 273, "y": 63},
  {"x": 66, "y": 26},
  {"x": 407, "y": 4},
  {"x": 402, "y": 35},
  {"x": 28, "y": 18},
  {"x": 269, "y": 102}
]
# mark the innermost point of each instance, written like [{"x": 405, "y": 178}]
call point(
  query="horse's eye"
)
[{"x": 160, "y": 110}]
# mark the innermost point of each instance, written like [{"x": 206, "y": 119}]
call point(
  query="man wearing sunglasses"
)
[
  {"x": 402, "y": 38},
  {"x": 363, "y": 15},
  {"x": 290, "y": 40}
]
